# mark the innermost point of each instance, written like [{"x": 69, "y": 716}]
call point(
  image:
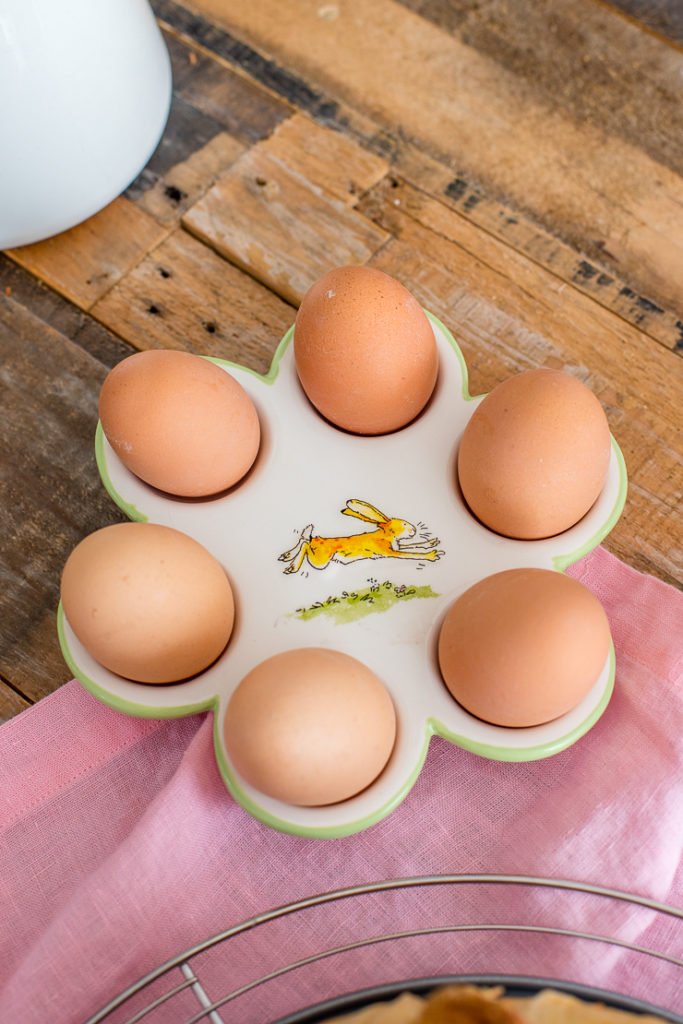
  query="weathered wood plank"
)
[
  {"x": 650, "y": 521},
  {"x": 280, "y": 227},
  {"x": 240, "y": 105},
  {"x": 187, "y": 130},
  {"x": 185, "y": 183},
  {"x": 327, "y": 159},
  {"x": 600, "y": 193},
  {"x": 50, "y": 490},
  {"x": 528, "y": 296},
  {"x": 84, "y": 262},
  {"x": 413, "y": 163},
  {"x": 60, "y": 314},
  {"x": 582, "y": 57},
  {"x": 209, "y": 100},
  {"x": 186, "y": 296},
  {"x": 188, "y": 23},
  {"x": 589, "y": 276},
  {"x": 331, "y": 160}
]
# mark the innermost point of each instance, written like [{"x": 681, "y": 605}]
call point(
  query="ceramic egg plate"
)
[{"x": 384, "y": 611}]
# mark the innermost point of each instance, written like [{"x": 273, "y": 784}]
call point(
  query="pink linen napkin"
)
[{"x": 120, "y": 847}]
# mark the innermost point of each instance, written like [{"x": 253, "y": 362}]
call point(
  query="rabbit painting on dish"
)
[{"x": 386, "y": 541}]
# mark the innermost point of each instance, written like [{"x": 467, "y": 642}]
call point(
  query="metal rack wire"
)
[{"x": 214, "y": 1010}]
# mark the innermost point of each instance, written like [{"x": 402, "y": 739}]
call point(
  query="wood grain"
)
[
  {"x": 589, "y": 272},
  {"x": 543, "y": 248},
  {"x": 187, "y": 130},
  {"x": 61, "y": 314},
  {"x": 53, "y": 494},
  {"x": 281, "y": 227},
  {"x": 184, "y": 295},
  {"x": 582, "y": 57},
  {"x": 236, "y": 102},
  {"x": 325, "y": 158},
  {"x": 540, "y": 303},
  {"x": 84, "y": 262},
  {"x": 589, "y": 187},
  {"x": 184, "y": 183}
]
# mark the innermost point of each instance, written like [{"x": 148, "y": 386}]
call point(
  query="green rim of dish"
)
[
  {"x": 113, "y": 700},
  {"x": 313, "y": 831},
  {"x": 561, "y": 562},
  {"x": 433, "y": 727},
  {"x": 267, "y": 378},
  {"x": 496, "y": 752}
]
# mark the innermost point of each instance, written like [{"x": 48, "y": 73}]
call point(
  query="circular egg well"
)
[{"x": 385, "y": 609}]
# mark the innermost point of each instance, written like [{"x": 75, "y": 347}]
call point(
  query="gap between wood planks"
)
[{"x": 12, "y": 700}]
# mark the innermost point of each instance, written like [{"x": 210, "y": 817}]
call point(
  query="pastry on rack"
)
[{"x": 467, "y": 1004}]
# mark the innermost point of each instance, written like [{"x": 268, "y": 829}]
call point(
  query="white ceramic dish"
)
[{"x": 386, "y": 611}]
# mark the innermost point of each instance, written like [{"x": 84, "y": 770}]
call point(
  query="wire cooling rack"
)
[{"x": 157, "y": 996}]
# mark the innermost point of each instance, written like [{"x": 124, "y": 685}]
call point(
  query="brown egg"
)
[
  {"x": 523, "y": 646},
  {"x": 147, "y": 602},
  {"x": 179, "y": 422},
  {"x": 364, "y": 350},
  {"x": 534, "y": 456},
  {"x": 310, "y": 726}
]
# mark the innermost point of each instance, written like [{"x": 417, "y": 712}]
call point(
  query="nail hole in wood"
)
[{"x": 175, "y": 194}]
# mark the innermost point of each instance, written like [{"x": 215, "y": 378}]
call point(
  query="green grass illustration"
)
[{"x": 350, "y": 606}]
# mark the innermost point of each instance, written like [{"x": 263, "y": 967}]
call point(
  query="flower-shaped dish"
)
[{"x": 384, "y": 611}]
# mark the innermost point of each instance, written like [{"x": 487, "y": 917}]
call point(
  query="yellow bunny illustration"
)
[{"x": 386, "y": 541}]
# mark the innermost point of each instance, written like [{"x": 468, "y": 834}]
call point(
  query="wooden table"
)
[{"x": 516, "y": 163}]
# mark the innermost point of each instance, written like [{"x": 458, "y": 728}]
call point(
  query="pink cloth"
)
[{"x": 120, "y": 847}]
